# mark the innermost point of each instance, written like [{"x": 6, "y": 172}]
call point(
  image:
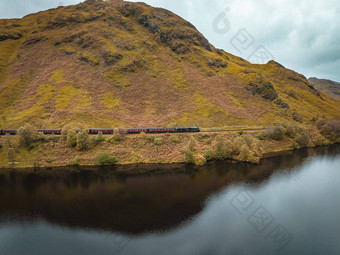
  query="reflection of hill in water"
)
[{"x": 130, "y": 204}]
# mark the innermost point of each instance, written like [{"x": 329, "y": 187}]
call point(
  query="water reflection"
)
[{"x": 181, "y": 210}]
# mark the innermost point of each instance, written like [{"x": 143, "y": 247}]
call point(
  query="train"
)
[{"x": 110, "y": 131}]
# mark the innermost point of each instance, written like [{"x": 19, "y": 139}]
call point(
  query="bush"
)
[
  {"x": 321, "y": 123},
  {"x": 27, "y": 135},
  {"x": 64, "y": 131},
  {"x": 260, "y": 136},
  {"x": 256, "y": 148},
  {"x": 297, "y": 117},
  {"x": 174, "y": 139},
  {"x": 240, "y": 132},
  {"x": 303, "y": 140},
  {"x": 105, "y": 159},
  {"x": 143, "y": 135},
  {"x": 249, "y": 139},
  {"x": 75, "y": 161},
  {"x": 295, "y": 146},
  {"x": 41, "y": 137},
  {"x": 189, "y": 157},
  {"x": 278, "y": 133},
  {"x": 11, "y": 155},
  {"x": 71, "y": 138},
  {"x": 158, "y": 141},
  {"x": 98, "y": 139},
  {"x": 222, "y": 149},
  {"x": 192, "y": 143},
  {"x": 208, "y": 155},
  {"x": 82, "y": 140},
  {"x": 238, "y": 142},
  {"x": 116, "y": 137},
  {"x": 245, "y": 153},
  {"x": 291, "y": 130},
  {"x": 9, "y": 141},
  {"x": 331, "y": 130}
]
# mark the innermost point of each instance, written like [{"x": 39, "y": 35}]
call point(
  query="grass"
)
[{"x": 151, "y": 83}]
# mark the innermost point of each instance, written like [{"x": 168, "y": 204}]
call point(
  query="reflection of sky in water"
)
[{"x": 306, "y": 202}]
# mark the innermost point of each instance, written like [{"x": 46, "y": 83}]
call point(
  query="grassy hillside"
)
[
  {"x": 121, "y": 64},
  {"x": 330, "y": 88}
]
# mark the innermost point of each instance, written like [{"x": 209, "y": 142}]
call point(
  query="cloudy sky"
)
[{"x": 300, "y": 34}]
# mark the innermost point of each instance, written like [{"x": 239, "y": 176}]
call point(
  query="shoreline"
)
[{"x": 162, "y": 149}]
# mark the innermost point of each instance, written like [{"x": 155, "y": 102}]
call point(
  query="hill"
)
[
  {"x": 330, "y": 88},
  {"x": 121, "y": 64}
]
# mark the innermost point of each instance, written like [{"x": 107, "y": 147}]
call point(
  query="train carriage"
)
[
  {"x": 105, "y": 131},
  {"x": 8, "y": 131},
  {"x": 50, "y": 131}
]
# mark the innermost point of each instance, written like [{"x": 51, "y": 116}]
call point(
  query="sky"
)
[{"x": 303, "y": 35}]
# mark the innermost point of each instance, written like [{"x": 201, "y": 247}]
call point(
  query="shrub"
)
[
  {"x": 36, "y": 164},
  {"x": 64, "y": 131},
  {"x": 295, "y": 146},
  {"x": 331, "y": 130},
  {"x": 297, "y": 117},
  {"x": 240, "y": 132},
  {"x": 291, "y": 130},
  {"x": 303, "y": 140},
  {"x": 249, "y": 139},
  {"x": 41, "y": 137},
  {"x": 222, "y": 149},
  {"x": 208, "y": 155},
  {"x": 158, "y": 141},
  {"x": 143, "y": 135},
  {"x": 98, "y": 139},
  {"x": 189, "y": 157},
  {"x": 256, "y": 148},
  {"x": 27, "y": 135},
  {"x": 321, "y": 123},
  {"x": 9, "y": 141},
  {"x": 11, "y": 155},
  {"x": 71, "y": 138},
  {"x": 82, "y": 140},
  {"x": 192, "y": 143},
  {"x": 237, "y": 143},
  {"x": 174, "y": 139},
  {"x": 278, "y": 133},
  {"x": 245, "y": 153},
  {"x": 260, "y": 136},
  {"x": 116, "y": 137},
  {"x": 75, "y": 161},
  {"x": 105, "y": 159}
]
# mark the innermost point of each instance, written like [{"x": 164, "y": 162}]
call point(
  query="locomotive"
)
[{"x": 109, "y": 131}]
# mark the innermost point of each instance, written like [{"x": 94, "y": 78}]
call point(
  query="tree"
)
[
  {"x": 303, "y": 140},
  {"x": 27, "y": 135},
  {"x": 82, "y": 140},
  {"x": 189, "y": 157},
  {"x": 64, "y": 131},
  {"x": 71, "y": 138}
]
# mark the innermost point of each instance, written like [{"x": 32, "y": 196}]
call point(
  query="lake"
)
[{"x": 288, "y": 204}]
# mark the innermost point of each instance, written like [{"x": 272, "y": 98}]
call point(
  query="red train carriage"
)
[
  {"x": 50, "y": 131},
  {"x": 8, "y": 131},
  {"x": 162, "y": 130},
  {"x": 105, "y": 131},
  {"x": 135, "y": 130}
]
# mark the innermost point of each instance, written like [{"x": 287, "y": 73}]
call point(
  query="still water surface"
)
[{"x": 289, "y": 204}]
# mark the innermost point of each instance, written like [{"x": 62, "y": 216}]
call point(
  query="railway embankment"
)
[{"x": 247, "y": 145}]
